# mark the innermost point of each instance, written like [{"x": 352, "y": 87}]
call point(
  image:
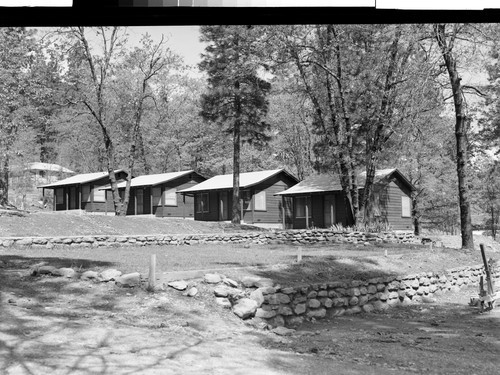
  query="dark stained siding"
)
[
  {"x": 393, "y": 208},
  {"x": 317, "y": 207},
  {"x": 342, "y": 214},
  {"x": 182, "y": 209},
  {"x": 213, "y": 208},
  {"x": 273, "y": 213}
]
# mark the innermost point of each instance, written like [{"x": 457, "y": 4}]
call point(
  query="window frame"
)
[
  {"x": 260, "y": 193},
  {"x": 164, "y": 194},
  {"x": 199, "y": 198},
  {"x": 307, "y": 199},
  {"x": 102, "y": 192},
  {"x": 407, "y": 206}
]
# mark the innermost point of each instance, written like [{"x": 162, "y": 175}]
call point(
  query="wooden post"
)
[
  {"x": 152, "y": 272},
  {"x": 489, "y": 283},
  {"x": 67, "y": 198},
  {"x": 331, "y": 211},
  {"x": 284, "y": 211},
  {"x": 299, "y": 254},
  {"x": 80, "y": 197},
  {"x": 151, "y": 198},
  {"x": 307, "y": 215},
  {"x": 183, "y": 206},
  {"x": 253, "y": 206},
  {"x": 241, "y": 210},
  {"x": 135, "y": 202}
]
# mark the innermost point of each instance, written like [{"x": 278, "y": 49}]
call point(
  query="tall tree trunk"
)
[
  {"x": 461, "y": 125},
  {"x": 236, "y": 209},
  {"x": 4, "y": 181}
]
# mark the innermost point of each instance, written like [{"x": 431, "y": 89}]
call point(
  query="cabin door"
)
[
  {"x": 223, "y": 203},
  {"x": 73, "y": 198},
  {"x": 139, "y": 196},
  {"x": 329, "y": 211}
]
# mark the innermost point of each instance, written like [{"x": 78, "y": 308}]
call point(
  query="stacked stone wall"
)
[
  {"x": 304, "y": 237},
  {"x": 291, "y": 306}
]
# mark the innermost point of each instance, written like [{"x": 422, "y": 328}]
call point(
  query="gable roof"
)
[
  {"x": 78, "y": 179},
  {"x": 223, "y": 182},
  {"x": 330, "y": 183},
  {"x": 153, "y": 179},
  {"x": 38, "y": 166}
]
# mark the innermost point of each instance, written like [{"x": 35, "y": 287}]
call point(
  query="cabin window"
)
[
  {"x": 59, "y": 196},
  {"x": 99, "y": 195},
  {"x": 202, "y": 202},
  {"x": 170, "y": 197},
  {"x": 405, "y": 207},
  {"x": 300, "y": 207},
  {"x": 156, "y": 196},
  {"x": 85, "y": 193},
  {"x": 260, "y": 201}
]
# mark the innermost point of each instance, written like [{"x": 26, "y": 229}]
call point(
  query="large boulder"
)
[
  {"x": 212, "y": 278},
  {"x": 245, "y": 308},
  {"x": 64, "y": 272}
]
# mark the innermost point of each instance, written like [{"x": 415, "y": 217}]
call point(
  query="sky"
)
[{"x": 184, "y": 40}]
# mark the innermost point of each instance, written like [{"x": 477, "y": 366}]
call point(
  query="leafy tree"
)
[
  {"x": 449, "y": 39},
  {"x": 16, "y": 94},
  {"x": 236, "y": 97}
]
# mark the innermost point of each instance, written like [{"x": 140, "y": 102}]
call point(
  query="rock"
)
[
  {"x": 46, "y": 270},
  {"x": 258, "y": 282},
  {"x": 261, "y": 313},
  {"x": 221, "y": 291},
  {"x": 129, "y": 280},
  {"x": 258, "y": 297},
  {"x": 426, "y": 299},
  {"x": 317, "y": 313},
  {"x": 89, "y": 275},
  {"x": 192, "y": 292},
  {"x": 178, "y": 285},
  {"x": 314, "y": 303},
  {"x": 230, "y": 282},
  {"x": 212, "y": 278},
  {"x": 283, "y": 331},
  {"x": 267, "y": 290},
  {"x": 64, "y": 272},
  {"x": 109, "y": 274},
  {"x": 300, "y": 309},
  {"x": 245, "y": 308},
  {"x": 224, "y": 302}
]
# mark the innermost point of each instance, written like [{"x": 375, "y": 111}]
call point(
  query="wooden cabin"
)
[
  {"x": 318, "y": 201},
  {"x": 83, "y": 192},
  {"x": 156, "y": 194},
  {"x": 258, "y": 201}
]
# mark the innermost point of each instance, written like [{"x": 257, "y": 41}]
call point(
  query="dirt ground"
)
[
  {"x": 61, "y": 326},
  {"x": 51, "y": 325}
]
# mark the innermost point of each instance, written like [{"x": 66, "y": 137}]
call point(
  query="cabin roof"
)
[
  {"x": 38, "y": 166},
  {"x": 331, "y": 183},
  {"x": 153, "y": 179},
  {"x": 223, "y": 182},
  {"x": 78, "y": 179}
]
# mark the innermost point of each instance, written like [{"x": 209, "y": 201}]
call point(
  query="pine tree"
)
[{"x": 237, "y": 96}]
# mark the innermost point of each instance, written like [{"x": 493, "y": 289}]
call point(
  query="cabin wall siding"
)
[{"x": 273, "y": 212}]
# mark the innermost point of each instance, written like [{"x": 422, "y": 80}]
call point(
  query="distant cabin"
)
[
  {"x": 258, "y": 202},
  {"x": 156, "y": 194},
  {"x": 318, "y": 201},
  {"x": 83, "y": 192}
]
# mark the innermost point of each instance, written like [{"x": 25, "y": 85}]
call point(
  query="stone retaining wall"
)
[
  {"x": 291, "y": 306},
  {"x": 278, "y": 236}
]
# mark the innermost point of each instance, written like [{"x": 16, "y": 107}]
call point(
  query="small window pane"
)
[
  {"x": 300, "y": 206},
  {"x": 170, "y": 197},
  {"x": 260, "y": 201},
  {"x": 406, "y": 207},
  {"x": 202, "y": 202},
  {"x": 99, "y": 195}
]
